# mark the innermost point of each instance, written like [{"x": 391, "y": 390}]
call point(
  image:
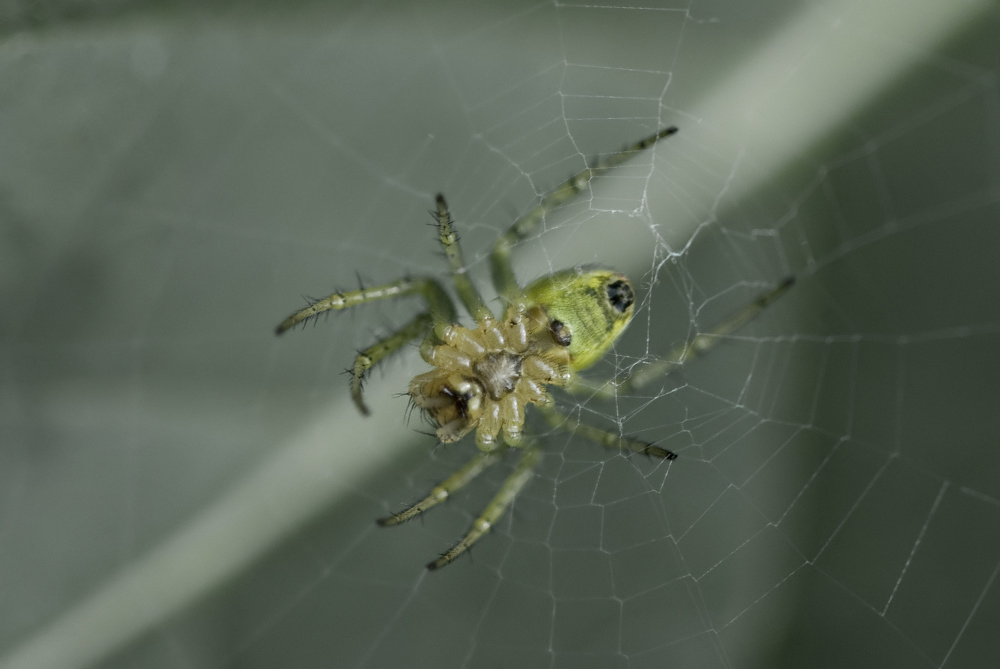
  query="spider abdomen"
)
[{"x": 483, "y": 377}]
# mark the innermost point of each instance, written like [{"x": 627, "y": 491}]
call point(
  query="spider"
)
[{"x": 483, "y": 377}]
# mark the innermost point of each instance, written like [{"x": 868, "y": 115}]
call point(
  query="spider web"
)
[{"x": 180, "y": 488}]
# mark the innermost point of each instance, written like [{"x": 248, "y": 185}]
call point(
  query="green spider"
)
[{"x": 484, "y": 377}]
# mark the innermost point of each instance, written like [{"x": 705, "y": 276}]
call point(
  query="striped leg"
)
[{"x": 503, "y": 273}]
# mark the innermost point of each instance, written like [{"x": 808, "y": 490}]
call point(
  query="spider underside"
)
[{"x": 483, "y": 378}]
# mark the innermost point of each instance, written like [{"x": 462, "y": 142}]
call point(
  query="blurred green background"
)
[{"x": 181, "y": 488}]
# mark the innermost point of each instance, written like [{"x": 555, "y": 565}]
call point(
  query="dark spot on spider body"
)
[
  {"x": 620, "y": 295},
  {"x": 560, "y": 333},
  {"x": 460, "y": 398}
]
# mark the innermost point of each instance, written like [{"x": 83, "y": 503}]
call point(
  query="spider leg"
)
[
  {"x": 449, "y": 242},
  {"x": 371, "y": 356},
  {"x": 702, "y": 343},
  {"x": 437, "y": 299},
  {"x": 439, "y": 304},
  {"x": 680, "y": 355},
  {"x": 503, "y": 274},
  {"x": 443, "y": 490},
  {"x": 605, "y": 438},
  {"x": 523, "y": 472}
]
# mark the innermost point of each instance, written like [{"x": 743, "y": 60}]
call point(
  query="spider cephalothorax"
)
[{"x": 485, "y": 376}]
